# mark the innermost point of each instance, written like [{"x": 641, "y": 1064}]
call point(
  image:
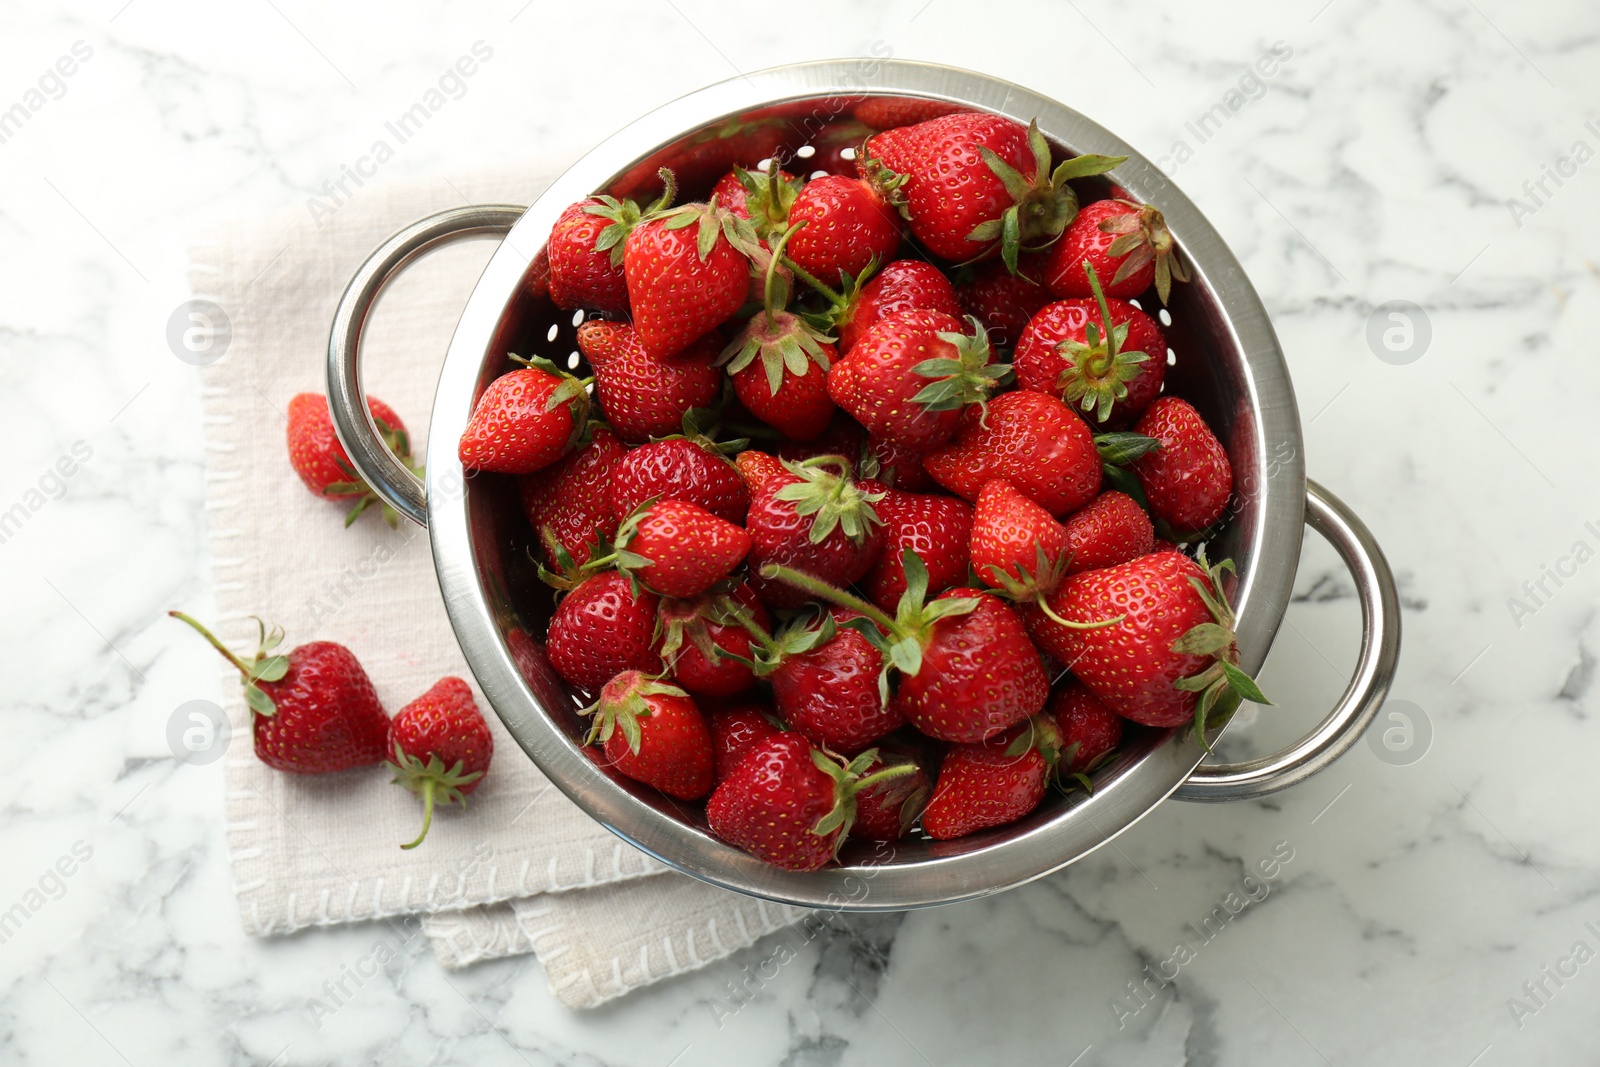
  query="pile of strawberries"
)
[{"x": 880, "y": 530}]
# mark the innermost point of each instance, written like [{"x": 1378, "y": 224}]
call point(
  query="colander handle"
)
[
  {"x": 347, "y": 400},
  {"x": 1380, "y": 653}
]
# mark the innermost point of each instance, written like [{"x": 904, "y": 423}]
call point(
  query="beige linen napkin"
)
[{"x": 322, "y": 850}]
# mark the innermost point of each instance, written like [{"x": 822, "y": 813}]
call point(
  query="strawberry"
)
[
  {"x": 601, "y": 627},
  {"x": 1104, "y": 356},
  {"x": 789, "y": 804},
  {"x": 572, "y": 497},
  {"x": 887, "y": 810},
  {"x": 313, "y": 711},
  {"x": 525, "y": 420},
  {"x": 736, "y": 727},
  {"x": 1126, "y": 242},
  {"x": 688, "y": 468},
  {"x": 966, "y": 667},
  {"x": 1003, "y": 301},
  {"x": 826, "y": 683},
  {"x": 1110, "y": 529},
  {"x": 1028, "y": 438},
  {"x": 886, "y": 112},
  {"x": 977, "y": 184},
  {"x": 1015, "y": 543},
  {"x": 1090, "y": 730},
  {"x": 815, "y": 517},
  {"x": 904, "y": 285},
  {"x": 1170, "y": 658},
  {"x": 908, "y": 378},
  {"x": 779, "y": 365},
  {"x": 847, "y": 224},
  {"x": 688, "y": 272},
  {"x": 760, "y": 471},
  {"x": 678, "y": 549},
  {"x": 1187, "y": 478},
  {"x": 700, "y": 638},
  {"x": 936, "y": 528},
  {"x": 643, "y": 396},
  {"x": 653, "y": 733},
  {"x": 991, "y": 783},
  {"x": 321, "y": 461},
  {"x": 441, "y": 747}
]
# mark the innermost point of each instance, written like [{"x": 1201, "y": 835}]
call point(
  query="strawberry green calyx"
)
[
  {"x": 1042, "y": 208},
  {"x": 431, "y": 781},
  {"x": 681, "y": 622},
  {"x": 266, "y": 666},
  {"x": 624, "y": 215},
  {"x": 850, "y": 779},
  {"x": 1098, "y": 371},
  {"x": 1142, "y": 237},
  {"x": 768, "y": 197},
  {"x": 908, "y": 791},
  {"x": 1044, "y": 735},
  {"x": 889, "y": 184},
  {"x": 714, "y": 223},
  {"x": 827, "y": 491},
  {"x": 1034, "y": 586},
  {"x": 902, "y": 638},
  {"x": 968, "y": 378},
  {"x": 1222, "y": 684},
  {"x": 624, "y": 712},
  {"x": 805, "y": 633}
]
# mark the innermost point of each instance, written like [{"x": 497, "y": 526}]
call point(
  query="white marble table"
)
[{"x": 1425, "y": 898}]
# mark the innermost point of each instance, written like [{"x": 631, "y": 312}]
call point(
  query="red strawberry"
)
[
  {"x": 313, "y": 711},
  {"x": 1126, "y": 242},
  {"x": 600, "y": 628},
  {"x": 904, "y": 285},
  {"x": 886, "y": 112},
  {"x": 1015, "y": 542},
  {"x": 759, "y": 470},
  {"x": 779, "y": 366},
  {"x": 936, "y": 528},
  {"x": 789, "y": 804},
  {"x": 887, "y": 810},
  {"x": 653, "y": 733},
  {"x": 680, "y": 468},
  {"x": 1090, "y": 730},
  {"x": 976, "y": 184},
  {"x": 688, "y": 272},
  {"x": 678, "y": 549},
  {"x": 583, "y": 274},
  {"x": 441, "y": 747},
  {"x": 826, "y": 682},
  {"x": 1103, "y": 356},
  {"x": 525, "y": 420},
  {"x": 1111, "y": 529},
  {"x": 1187, "y": 478},
  {"x": 645, "y": 397},
  {"x": 321, "y": 461},
  {"x": 1028, "y": 438},
  {"x": 1003, "y": 301},
  {"x": 967, "y": 669},
  {"x": 848, "y": 225},
  {"x": 993, "y": 782},
  {"x": 1171, "y": 657},
  {"x": 572, "y": 497},
  {"x": 908, "y": 378},
  {"x": 737, "y": 727},
  {"x": 815, "y": 517},
  {"x": 699, "y": 638}
]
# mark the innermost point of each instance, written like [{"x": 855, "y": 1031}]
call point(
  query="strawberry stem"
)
[
  {"x": 893, "y": 770},
  {"x": 823, "y": 591},
  {"x": 1071, "y": 624},
  {"x": 809, "y": 279},
  {"x": 228, "y": 654},
  {"x": 426, "y": 791}
]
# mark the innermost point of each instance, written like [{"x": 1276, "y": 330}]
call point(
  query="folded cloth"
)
[{"x": 317, "y": 850}]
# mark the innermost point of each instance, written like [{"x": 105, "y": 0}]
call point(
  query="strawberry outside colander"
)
[{"x": 1230, "y": 366}]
